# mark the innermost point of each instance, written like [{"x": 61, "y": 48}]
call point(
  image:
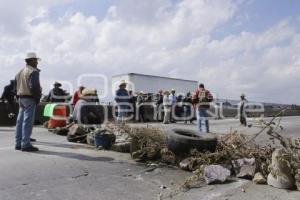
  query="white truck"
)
[{"x": 152, "y": 84}]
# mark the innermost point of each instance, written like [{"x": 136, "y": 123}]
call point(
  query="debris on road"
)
[
  {"x": 280, "y": 171},
  {"x": 189, "y": 164},
  {"x": 168, "y": 156},
  {"x": 297, "y": 179},
  {"x": 259, "y": 178},
  {"x": 233, "y": 152},
  {"x": 244, "y": 168}
]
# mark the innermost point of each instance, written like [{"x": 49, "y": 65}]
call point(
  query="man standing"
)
[
  {"x": 202, "y": 98},
  {"x": 132, "y": 101},
  {"x": 9, "y": 96},
  {"x": 159, "y": 101},
  {"x": 122, "y": 99},
  {"x": 173, "y": 100},
  {"x": 167, "y": 107},
  {"x": 140, "y": 107},
  {"x": 187, "y": 108},
  {"x": 242, "y": 110},
  {"x": 29, "y": 93}
]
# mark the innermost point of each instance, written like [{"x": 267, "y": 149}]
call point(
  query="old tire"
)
[{"x": 181, "y": 141}]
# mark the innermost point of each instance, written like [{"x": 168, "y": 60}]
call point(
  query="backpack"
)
[{"x": 202, "y": 96}]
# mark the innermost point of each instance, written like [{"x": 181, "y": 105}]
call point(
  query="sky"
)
[{"x": 232, "y": 46}]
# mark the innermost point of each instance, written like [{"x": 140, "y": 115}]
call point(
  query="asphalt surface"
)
[{"x": 63, "y": 170}]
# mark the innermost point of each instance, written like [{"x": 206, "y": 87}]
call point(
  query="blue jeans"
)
[
  {"x": 202, "y": 120},
  {"x": 121, "y": 112},
  {"x": 25, "y": 121}
]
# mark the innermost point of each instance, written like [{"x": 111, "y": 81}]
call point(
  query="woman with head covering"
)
[{"x": 86, "y": 110}]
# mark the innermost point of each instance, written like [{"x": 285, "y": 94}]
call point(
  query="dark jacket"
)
[
  {"x": 56, "y": 95},
  {"x": 202, "y": 97},
  {"x": 122, "y": 96},
  {"x": 159, "y": 99},
  {"x": 9, "y": 93}
]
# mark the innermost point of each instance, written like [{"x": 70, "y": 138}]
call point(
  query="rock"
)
[
  {"x": 215, "y": 174},
  {"x": 61, "y": 131},
  {"x": 281, "y": 172},
  {"x": 259, "y": 178},
  {"x": 167, "y": 156},
  {"x": 90, "y": 139},
  {"x": 188, "y": 164},
  {"x": 77, "y": 130},
  {"x": 244, "y": 168},
  {"x": 123, "y": 147}
]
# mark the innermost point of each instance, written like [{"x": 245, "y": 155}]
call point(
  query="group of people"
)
[
  {"x": 173, "y": 106},
  {"x": 26, "y": 87}
]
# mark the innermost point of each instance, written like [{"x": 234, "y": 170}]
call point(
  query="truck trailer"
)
[{"x": 152, "y": 84}]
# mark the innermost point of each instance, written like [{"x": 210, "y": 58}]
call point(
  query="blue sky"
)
[
  {"x": 256, "y": 15},
  {"x": 233, "y": 46}
]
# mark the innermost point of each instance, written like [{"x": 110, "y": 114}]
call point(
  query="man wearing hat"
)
[
  {"x": 242, "y": 111},
  {"x": 202, "y": 98},
  {"x": 57, "y": 94},
  {"x": 122, "y": 99},
  {"x": 29, "y": 92}
]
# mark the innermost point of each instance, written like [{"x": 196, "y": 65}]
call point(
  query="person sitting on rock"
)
[{"x": 86, "y": 110}]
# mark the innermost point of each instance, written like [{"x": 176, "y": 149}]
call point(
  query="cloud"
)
[{"x": 157, "y": 37}]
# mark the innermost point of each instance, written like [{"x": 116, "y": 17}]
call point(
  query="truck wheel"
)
[{"x": 181, "y": 141}]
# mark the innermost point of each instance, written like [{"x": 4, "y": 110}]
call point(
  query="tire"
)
[{"x": 181, "y": 141}]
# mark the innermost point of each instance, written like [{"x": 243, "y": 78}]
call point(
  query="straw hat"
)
[
  {"x": 123, "y": 82},
  {"x": 31, "y": 55},
  {"x": 87, "y": 91},
  {"x": 166, "y": 92}
]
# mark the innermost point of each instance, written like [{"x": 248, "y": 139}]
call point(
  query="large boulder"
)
[
  {"x": 215, "y": 174},
  {"x": 281, "y": 172},
  {"x": 244, "y": 168}
]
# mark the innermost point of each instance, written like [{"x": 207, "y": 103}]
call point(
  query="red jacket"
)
[
  {"x": 76, "y": 97},
  {"x": 202, "y": 97}
]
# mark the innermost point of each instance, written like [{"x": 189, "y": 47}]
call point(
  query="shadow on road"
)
[
  {"x": 75, "y": 156},
  {"x": 7, "y": 129},
  {"x": 62, "y": 145}
]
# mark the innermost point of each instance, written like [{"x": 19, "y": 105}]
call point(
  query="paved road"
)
[{"x": 63, "y": 170}]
